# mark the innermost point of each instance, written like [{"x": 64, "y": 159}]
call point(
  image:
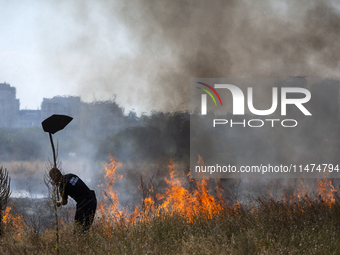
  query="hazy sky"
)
[
  {"x": 145, "y": 52},
  {"x": 40, "y": 51}
]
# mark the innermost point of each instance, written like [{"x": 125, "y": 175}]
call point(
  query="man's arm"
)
[{"x": 62, "y": 202}]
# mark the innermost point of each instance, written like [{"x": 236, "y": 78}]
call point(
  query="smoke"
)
[{"x": 147, "y": 51}]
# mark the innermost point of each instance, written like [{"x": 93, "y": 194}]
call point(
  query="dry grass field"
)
[{"x": 184, "y": 220}]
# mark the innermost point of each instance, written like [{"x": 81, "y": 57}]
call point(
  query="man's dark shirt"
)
[{"x": 71, "y": 185}]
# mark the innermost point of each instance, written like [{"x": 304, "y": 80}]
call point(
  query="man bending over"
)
[{"x": 71, "y": 185}]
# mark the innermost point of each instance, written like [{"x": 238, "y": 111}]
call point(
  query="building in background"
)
[
  {"x": 66, "y": 105},
  {"x": 29, "y": 118},
  {"x": 9, "y": 106},
  {"x": 100, "y": 117}
]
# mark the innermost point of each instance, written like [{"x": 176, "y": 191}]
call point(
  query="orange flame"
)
[
  {"x": 108, "y": 208},
  {"x": 326, "y": 191},
  {"x": 187, "y": 197},
  {"x": 177, "y": 198},
  {"x": 13, "y": 222}
]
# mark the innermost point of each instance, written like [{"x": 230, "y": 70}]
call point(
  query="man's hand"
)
[{"x": 62, "y": 202}]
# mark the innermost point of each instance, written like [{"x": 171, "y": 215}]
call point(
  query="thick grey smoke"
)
[
  {"x": 169, "y": 42},
  {"x": 146, "y": 52}
]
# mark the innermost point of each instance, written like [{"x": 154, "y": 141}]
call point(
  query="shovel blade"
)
[{"x": 55, "y": 123}]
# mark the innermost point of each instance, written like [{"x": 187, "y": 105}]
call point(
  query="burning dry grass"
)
[
  {"x": 13, "y": 222},
  {"x": 188, "y": 219}
]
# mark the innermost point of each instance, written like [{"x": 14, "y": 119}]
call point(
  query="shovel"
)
[{"x": 52, "y": 125}]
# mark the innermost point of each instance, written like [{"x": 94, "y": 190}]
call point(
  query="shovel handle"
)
[
  {"x": 54, "y": 160},
  {"x": 54, "y": 157}
]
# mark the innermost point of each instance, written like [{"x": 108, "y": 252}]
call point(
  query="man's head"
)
[{"x": 55, "y": 174}]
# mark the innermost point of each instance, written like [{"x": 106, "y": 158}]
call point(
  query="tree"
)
[
  {"x": 5, "y": 192},
  {"x": 53, "y": 196}
]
